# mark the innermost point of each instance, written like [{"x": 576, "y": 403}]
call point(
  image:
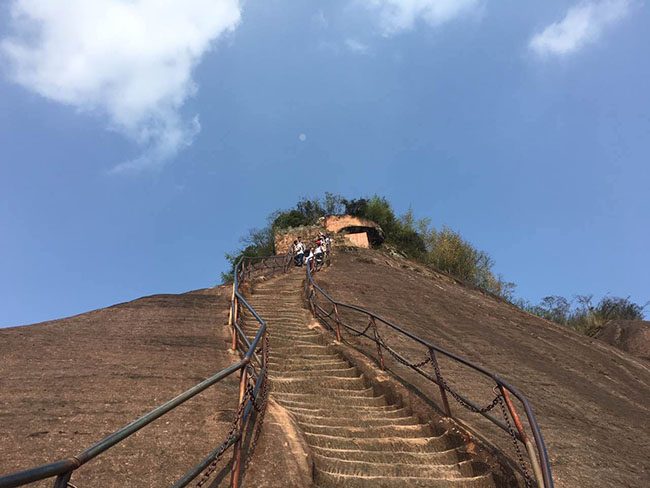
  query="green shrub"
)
[
  {"x": 580, "y": 314},
  {"x": 292, "y": 218},
  {"x": 449, "y": 252},
  {"x": 258, "y": 242},
  {"x": 445, "y": 250}
]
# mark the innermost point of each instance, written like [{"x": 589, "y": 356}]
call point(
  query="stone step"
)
[
  {"x": 370, "y": 420},
  {"x": 288, "y": 365},
  {"x": 357, "y": 412},
  {"x": 279, "y": 315},
  {"x": 397, "y": 468},
  {"x": 286, "y": 354},
  {"x": 298, "y": 400},
  {"x": 280, "y": 308},
  {"x": 279, "y": 319},
  {"x": 327, "y": 479},
  {"x": 283, "y": 347},
  {"x": 285, "y": 334},
  {"x": 324, "y": 385},
  {"x": 295, "y": 335},
  {"x": 413, "y": 444},
  {"x": 342, "y": 372},
  {"x": 336, "y": 394},
  {"x": 367, "y": 431},
  {"x": 292, "y": 305},
  {"x": 312, "y": 348},
  {"x": 449, "y": 456},
  {"x": 283, "y": 342},
  {"x": 289, "y": 360}
]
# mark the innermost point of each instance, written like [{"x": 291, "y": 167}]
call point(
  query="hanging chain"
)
[
  {"x": 498, "y": 399},
  {"x": 261, "y": 409},
  {"x": 520, "y": 456},
  {"x": 363, "y": 332},
  {"x": 397, "y": 357},
  {"x": 231, "y": 435},
  {"x": 457, "y": 397}
]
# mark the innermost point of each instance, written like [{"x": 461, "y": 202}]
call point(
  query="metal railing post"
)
[
  {"x": 338, "y": 323},
  {"x": 376, "y": 334},
  {"x": 236, "y": 457},
  {"x": 265, "y": 348},
  {"x": 443, "y": 392},
  {"x": 537, "y": 470},
  {"x": 62, "y": 480},
  {"x": 231, "y": 317},
  {"x": 235, "y": 320},
  {"x": 311, "y": 299}
]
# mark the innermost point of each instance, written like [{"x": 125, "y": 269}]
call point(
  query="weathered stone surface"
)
[
  {"x": 339, "y": 223},
  {"x": 344, "y": 230},
  {"x": 284, "y": 239},
  {"x": 632, "y": 336},
  {"x": 358, "y": 239}
]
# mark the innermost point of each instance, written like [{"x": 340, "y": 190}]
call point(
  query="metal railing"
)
[
  {"x": 369, "y": 329},
  {"x": 253, "y": 378}
]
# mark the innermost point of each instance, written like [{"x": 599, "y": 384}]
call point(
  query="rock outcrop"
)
[
  {"x": 345, "y": 230},
  {"x": 632, "y": 336}
]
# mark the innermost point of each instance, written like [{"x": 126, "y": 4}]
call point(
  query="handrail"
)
[
  {"x": 539, "y": 462},
  {"x": 245, "y": 268}
]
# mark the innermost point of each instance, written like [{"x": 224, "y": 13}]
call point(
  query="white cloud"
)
[
  {"x": 582, "y": 24},
  {"x": 131, "y": 60},
  {"x": 320, "y": 20},
  {"x": 400, "y": 15},
  {"x": 356, "y": 46}
]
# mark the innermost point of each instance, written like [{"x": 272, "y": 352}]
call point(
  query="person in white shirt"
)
[
  {"x": 327, "y": 244},
  {"x": 309, "y": 259},
  {"x": 300, "y": 251},
  {"x": 319, "y": 251}
]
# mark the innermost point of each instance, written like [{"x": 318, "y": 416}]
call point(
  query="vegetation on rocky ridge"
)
[{"x": 442, "y": 249}]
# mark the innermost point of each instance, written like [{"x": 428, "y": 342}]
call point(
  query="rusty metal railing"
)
[
  {"x": 252, "y": 391},
  {"x": 503, "y": 390}
]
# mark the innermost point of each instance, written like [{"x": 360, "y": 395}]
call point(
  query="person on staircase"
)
[
  {"x": 299, "y": 250},
  {"x": 309, "y": 259},
  {"x": 319, "y": 253},
  {"x": 328, "y": 248}
]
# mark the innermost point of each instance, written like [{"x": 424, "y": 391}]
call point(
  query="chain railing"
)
[
  {"x": 253, "y": 394},
  {"x": 328, "y": 311}
]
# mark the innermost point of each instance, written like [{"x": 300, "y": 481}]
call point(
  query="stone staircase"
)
[{"x": 358, "y": 438}]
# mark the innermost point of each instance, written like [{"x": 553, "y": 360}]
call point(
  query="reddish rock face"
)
[
  {"x": 344, "y": 230},
  {"x": 632, "y": 336},
  {"x": 338, "y": 223},
  {"x": 308, "y": 234},
  {"x": 360, "y": 239}
]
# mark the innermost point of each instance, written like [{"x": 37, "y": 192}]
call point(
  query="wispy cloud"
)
[
  {"x": 131, "y": 61},
  {"x": 356, "y": 46},
  {"x": 400, "y": 15},
  {"x": 320, "y": 20},
  {"x": 581, "y": 25}
]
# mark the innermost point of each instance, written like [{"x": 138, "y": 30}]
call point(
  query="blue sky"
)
[{"x": 141, "y": 139}]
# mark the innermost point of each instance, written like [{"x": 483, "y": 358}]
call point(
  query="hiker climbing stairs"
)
[{"x": 358, "y": 438}]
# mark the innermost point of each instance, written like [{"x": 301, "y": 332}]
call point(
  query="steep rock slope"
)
[
  {"x": 67, "y": 383},
  {"x": 592, "y": 400}
]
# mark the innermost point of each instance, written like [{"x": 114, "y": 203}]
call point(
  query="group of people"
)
[{"x": 313, "y": 256}]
